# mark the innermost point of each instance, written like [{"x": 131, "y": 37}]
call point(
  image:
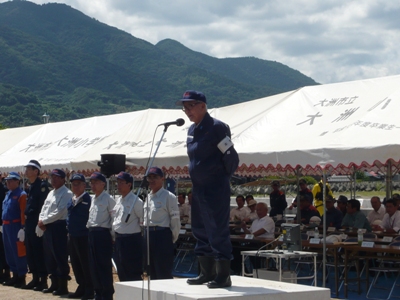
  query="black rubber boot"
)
[
  {"x": 13, "y": 280},
  {"x": 34, "y": 282},
  {"x": 62, "y": 287},
  {"x": 20, "y": 282},
  {"x": 42, "y": 285},
  {"x": 53, "y": 287},
  {"x": 207, "y": 271},
  {"x": 223, "y": 278}
]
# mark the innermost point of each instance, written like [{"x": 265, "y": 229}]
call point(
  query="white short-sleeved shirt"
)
[
  {"x": 101, "y": 211},
  {"x": 392, "y": 222},
  {"x": 266, "y": 223},
  {"x": 376, "y": 215}
]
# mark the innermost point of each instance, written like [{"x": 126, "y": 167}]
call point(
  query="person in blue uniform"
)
[
  {"x": 13, "y": 233},
  {"x": 100, "y": 238},
  {"x": 4, "y": 268},
  {"x": 37, "y": 193},
  {"x": 53, "y": 226},
  {"x": 78, "y": 215},
  {"x": 213, "y": 160}
]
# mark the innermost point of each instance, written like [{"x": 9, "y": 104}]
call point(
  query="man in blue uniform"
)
[
  {"x": 78, "y": 215},
  {"x": 13, "y": 233},
  {"x": 37, "y": 193},
  {"x": 4, "y": 268},
  {"x": 213, "y": 160}
]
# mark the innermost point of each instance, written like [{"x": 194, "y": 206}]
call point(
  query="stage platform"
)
[{"x": 251, "y": 288}]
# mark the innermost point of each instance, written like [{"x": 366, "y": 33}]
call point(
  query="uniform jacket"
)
[
  {"x": 78, "y": 215},
  {"x": 37, "y": 194}
]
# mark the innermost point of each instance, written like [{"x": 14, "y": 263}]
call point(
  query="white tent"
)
[{"x": 336, "y": 127}]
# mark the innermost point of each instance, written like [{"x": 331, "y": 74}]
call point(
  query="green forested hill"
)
[{"x": 57, "y": 60}]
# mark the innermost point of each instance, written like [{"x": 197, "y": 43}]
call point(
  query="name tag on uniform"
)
[{"x": 225, "y": 144}]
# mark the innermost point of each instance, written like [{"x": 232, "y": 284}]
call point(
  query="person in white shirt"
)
[
  {"x": 378, "y": 210},
  {"x": 100, "y": 238},
  {"x": 52, "y": 221},
  {"x": 128, "y": 254},
  {"x": 253, "y": 214},
  {"x": 263, "y": 226},
  {"x": 164, "y": 225},
  {"x": 391, "y": 220},
  {"x": 240, "y": 212}
]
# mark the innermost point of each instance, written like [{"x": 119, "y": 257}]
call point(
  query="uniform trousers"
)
[
  {"x": 14, "y": 249},
  {"x": 210, "y": 220},
  {"x": 55, "y": 244},
  {"x": 79, "y": 255},
  {"x": 128, "y": 256},
  {"x": 161, "y": 252},
  {"x": 3, "y": 262},
  {"x": 100, "y": 255},
  {"x": 34, "y": 251}
]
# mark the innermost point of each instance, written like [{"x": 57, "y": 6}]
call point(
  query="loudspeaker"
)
[{"x": 111, "y": 164}]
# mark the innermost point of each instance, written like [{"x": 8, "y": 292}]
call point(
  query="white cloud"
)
[{"x": 330, "y": 40}]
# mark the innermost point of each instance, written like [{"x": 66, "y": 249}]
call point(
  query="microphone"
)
[{"x": 178, "y": 122}]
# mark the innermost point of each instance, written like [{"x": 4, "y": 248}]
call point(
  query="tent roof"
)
[{"x": 335, "y": 127}]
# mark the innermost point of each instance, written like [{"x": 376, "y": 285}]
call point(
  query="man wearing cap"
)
[
  {"x": 213, "y": 160},
  {"x": 164, "y": 225},
  {"x": 333, "y": 216},
  {"x": 13, "y": 233},
  {"x": 128, "y": 237},
  {"x": 342, "y": 204},
  {"x": 78, "y": 214},
  {"x": 4, "y": 268},
  {"x": 37, "y": 194},
  {"x": 53, "y": 225},
  {"x": 253, "y": 213},
  {"x": 277, "y": 200},
  {"x": 100, "y": 238}
]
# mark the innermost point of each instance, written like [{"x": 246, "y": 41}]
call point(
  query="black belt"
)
[
  {"x": 154, "y": 228},
  {"x": 122, "y": 235},
  {"x": 98, "y": 229}
]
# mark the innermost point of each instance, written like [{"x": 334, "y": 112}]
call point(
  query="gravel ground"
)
[{"x": 11, "y": 293}]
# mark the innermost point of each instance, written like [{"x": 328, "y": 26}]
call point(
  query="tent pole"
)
[
  {"x": 388, "y": 179},
  {"x": 324, "y": 228}
]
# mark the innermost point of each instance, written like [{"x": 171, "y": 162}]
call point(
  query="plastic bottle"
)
[
  {"x": 316, "y": 233},
  {"x": 360, "y": 236}
]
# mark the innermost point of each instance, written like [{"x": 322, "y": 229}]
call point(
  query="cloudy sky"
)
[{"x": 328, "y": 40}]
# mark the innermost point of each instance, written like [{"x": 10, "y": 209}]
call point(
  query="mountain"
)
[{"x": 55, "y": 59}]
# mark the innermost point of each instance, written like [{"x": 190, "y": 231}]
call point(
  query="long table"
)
[{"x": 353, "y": 251}]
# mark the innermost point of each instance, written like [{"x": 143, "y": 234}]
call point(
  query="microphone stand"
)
[{"x": 145, "y": 185}]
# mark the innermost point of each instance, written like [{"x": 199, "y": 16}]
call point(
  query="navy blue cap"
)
[
  {"x": 78, "y": 177},
  {"x": 99, "y": 176},
  {"x": 13, "y": 175},
  {"x": 192, "y": 96},
  {"x": 58, "y": 172},
  {"x": 156, "y": 171},
  {"x": 125, "y": 176},
  {"x": 34, "y": 163}
]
